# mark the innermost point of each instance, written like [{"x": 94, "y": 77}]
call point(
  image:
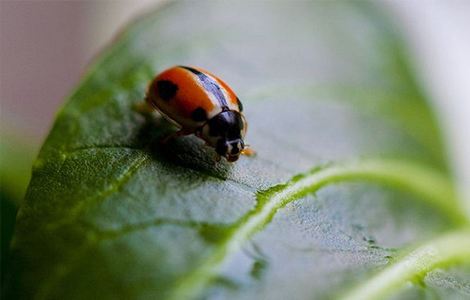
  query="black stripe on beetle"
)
[
  {"x": 240, "y": 105},
  {"x": 209, "y": 85},
  {"x": 166, "y": 89}
]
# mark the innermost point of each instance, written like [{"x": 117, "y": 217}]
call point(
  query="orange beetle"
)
[{"x": 201, "y": 103}]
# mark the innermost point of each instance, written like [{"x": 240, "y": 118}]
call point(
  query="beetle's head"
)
[
  {"x": 225, "y": 132},
  {"x": 230, "y": 149}
]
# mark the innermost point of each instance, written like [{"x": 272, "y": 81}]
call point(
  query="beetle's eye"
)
[{"x": 221, "y": 147}]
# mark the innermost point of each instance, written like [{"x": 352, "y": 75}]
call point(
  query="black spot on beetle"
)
[
  {"x": 199, "y": 114},
  {"x": 166, "y": 89},
  {"x": 240, "y": 105}
]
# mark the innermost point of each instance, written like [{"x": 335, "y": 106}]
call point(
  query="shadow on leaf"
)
[{"x": 188, "y": 151}]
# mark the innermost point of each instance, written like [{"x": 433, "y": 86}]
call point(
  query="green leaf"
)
[
  {"x": 16, "y": 157},
  {"x": 17, "y": 154},
  {"x": 450, "y": 248},
  {"x": 350, "y": 170}
]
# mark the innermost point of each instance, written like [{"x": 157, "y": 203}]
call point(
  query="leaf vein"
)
[
  {"x": 406, "y": 175},
  {"x": 75, "y": 211}
]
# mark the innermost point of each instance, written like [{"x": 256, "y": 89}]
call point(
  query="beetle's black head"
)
[
  {"x": 225, "y": 133},
  {"x": 230, "y": 149}
]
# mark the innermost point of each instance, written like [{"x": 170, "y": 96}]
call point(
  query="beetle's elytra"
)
[{"x": 203, "y": 104}]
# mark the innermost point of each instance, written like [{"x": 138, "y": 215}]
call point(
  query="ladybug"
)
[{"x": 200, "y": 103}]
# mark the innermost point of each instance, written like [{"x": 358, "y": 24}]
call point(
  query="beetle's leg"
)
[
  {"x": 198, "y": 133},
  {"x": 174, "y": 135}
]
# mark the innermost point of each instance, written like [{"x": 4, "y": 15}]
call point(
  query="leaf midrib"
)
[
  {"x": 388, "y": 172},
  {"x": 452, "y": 247}
]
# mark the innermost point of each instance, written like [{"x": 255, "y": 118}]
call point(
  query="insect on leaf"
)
[{"x": 350, "y": 170}]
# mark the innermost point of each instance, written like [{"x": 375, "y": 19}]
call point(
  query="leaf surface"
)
[{"x": 335, "y": 116}]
